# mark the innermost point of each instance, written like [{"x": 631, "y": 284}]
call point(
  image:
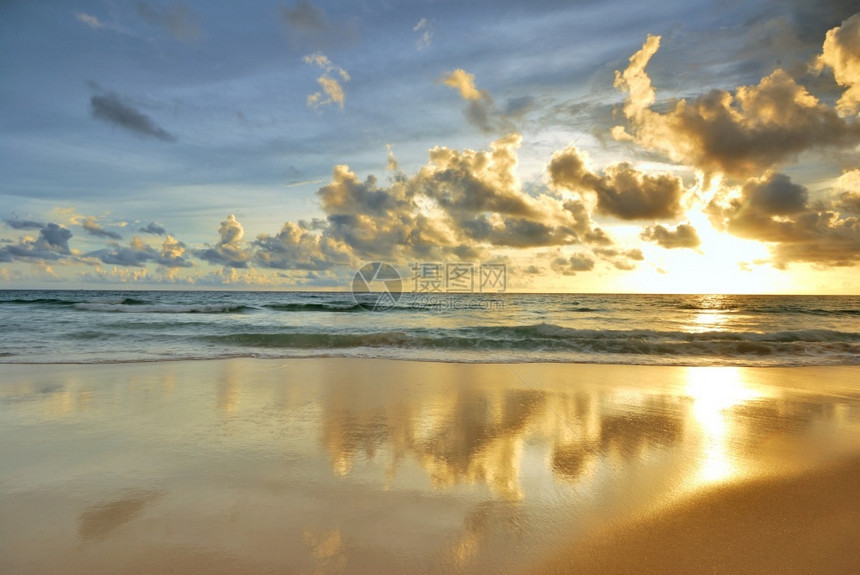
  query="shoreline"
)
[{"x": 430, "y": 361}]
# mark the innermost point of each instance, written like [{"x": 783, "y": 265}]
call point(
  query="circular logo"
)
[{"x": 376, "y": 286}]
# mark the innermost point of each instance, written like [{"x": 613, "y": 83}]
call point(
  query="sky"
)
[{"x": 589, "y": 146}]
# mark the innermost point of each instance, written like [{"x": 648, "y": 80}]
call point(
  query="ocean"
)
[{"x": 39, "y": 326}]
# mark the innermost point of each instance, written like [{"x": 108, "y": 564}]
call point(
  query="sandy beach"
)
[{"x": 375, "y": 466}]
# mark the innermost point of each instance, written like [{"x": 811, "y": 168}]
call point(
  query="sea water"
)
[{"x": 53, "y": 326}]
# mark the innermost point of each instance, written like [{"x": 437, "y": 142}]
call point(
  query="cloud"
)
[
  {"x": 52, "y": 244},
  {"x": 761, "y": 212},
  {"x": 94, "y": 229},
  {"x": 96, "y": 23},
  {"x": 519, "y": 106},
  {"x": 425, "y": 30},
  {"x": 296, "y": 247},
  {"x": 111, "y": 109},
  {"x": 172, "y": 254},
  {"x": 230, "y": 251},
  {"x": 811, "y": 20},
  {"x": 138, "y": 254},
  {"x": 176, "y": 19},
  {"x": 849, "y": 202},
  {"x": 622, "y": 259},
  {"x": 841, "y": 53},
  {"x": 739, "y": 134},
  {"x": 683, "y": 236},
  {"x": 332, "y": 90},
  {"x": 377, "y": 222},
  {"x": 55, "y": 237},
  {"x": 19, "y": 224},
  {"x": 153, "y": 228},
  {"x": 311, "y": 28},
  {"x": 570, "y": 265},
  {"x": 848, "y": 186},
  {"x": 621, "y": 191},
  {"x": 481, "y": 110},
  {"x": 90, "y": 20},
  {"x": 457, "y": 206},
  {"x": 464, "y": 83},
  {"x": 773, "y": 209}
]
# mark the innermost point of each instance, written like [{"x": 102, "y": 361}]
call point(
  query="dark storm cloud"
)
[
  {"x": 153, "y": 228},
  {"x": 111, "y": 109},
  {"x": 683, "y": 236},
  {"x": 621, "y": 191},
  {"x": 176, "y": 19}
]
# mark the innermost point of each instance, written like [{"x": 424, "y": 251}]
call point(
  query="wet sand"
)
[
  {"x": 373, "y": 466},
  {"x": 804, "y": 523}
]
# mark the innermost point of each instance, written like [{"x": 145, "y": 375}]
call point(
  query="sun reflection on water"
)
[{"x": 713, "y": 314}]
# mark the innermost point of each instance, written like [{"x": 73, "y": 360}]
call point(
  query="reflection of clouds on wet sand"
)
[
  {"x": 373, "y": 466},
  {"x": 476, "y": 435},
  {"x": 479, "y": 524},
  {"x": 327, "y": 549},
  {"x": 99, "y": 520},
  {"x": 623, "y": 448},
  {"x": 471, "y": 437}
]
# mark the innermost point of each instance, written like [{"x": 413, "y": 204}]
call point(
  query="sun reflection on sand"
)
[{"x": 714, "y": 390}]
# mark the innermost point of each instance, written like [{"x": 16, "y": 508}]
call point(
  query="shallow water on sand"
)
[{"x": 339, "y": 465}]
